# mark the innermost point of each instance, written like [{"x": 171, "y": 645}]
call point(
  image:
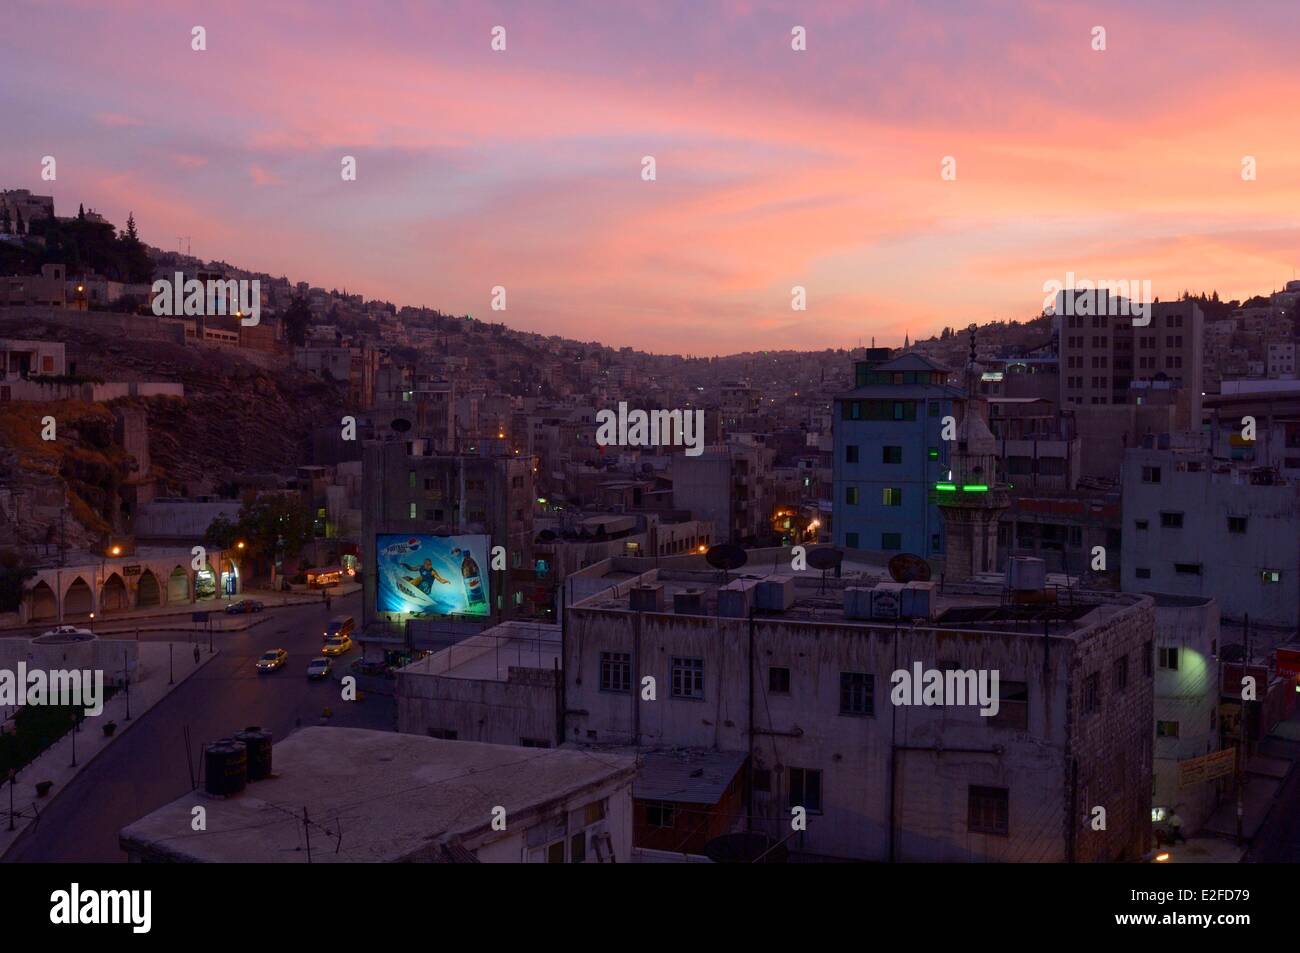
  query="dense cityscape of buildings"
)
[{"x": 1101, "y": 510}]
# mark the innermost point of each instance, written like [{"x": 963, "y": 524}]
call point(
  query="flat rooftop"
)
[
  {"x": 491, "y": 654},
  {"x": 970, "y": 606},
  {"x": 371, "y": 796}
]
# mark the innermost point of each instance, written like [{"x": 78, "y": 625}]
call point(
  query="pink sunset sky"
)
[{"x": 775, "y": 168}]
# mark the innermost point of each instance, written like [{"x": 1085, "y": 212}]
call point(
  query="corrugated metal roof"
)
[{"x": 689, "y": 776}]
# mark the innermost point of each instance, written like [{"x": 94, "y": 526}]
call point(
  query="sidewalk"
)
[
  {"x": 127, "y": 621},
  {"x": 55, "y": 763}
]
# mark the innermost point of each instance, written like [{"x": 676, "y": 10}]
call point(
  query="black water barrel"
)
[
  {"x": 225, "y": 767},
  {"x": 258, "y": 743}
]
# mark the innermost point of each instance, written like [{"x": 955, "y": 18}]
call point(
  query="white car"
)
[
  {"x": 319, "y": 668},
  {"x": 67, "y": 630}
]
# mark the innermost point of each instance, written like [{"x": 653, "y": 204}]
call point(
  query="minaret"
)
[{"x": 973, "y": 498}]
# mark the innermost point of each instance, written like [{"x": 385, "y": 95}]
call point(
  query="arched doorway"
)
[
  {"x": 148, "y": 592},
  {"x": 79, "y": 601},
  {"x": 178, "y": 586},
  {"x": 205, "y": 583},
  {"x": 229, "y": 578},
  {"x": 113, "y": 597},
  {"x": 44, "y": 604}
]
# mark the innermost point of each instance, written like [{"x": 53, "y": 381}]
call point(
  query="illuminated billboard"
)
[{"x": 432, "y": 575}]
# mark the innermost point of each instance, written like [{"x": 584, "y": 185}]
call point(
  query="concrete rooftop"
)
[
  {"x": 392, "y": 797},
  {"x": 972, "y": 606}
]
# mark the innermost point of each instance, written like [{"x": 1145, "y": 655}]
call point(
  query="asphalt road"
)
[
  {"x": 1278, "y": 840},
  {"x": 146, "y": 767}
]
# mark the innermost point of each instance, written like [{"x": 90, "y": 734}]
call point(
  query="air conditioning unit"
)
[
  {"x": 1026, "y": 573},
  {"x": 647, "y": 598},
  {"x": 887, "y": 600},
  {"x": 736, "y": 597},
  {"x": 857, "y": 603},
  {"x": 918, "y": 600},
  {"x": 689, "y": 602},
  {"x": 775, "y": 594}
]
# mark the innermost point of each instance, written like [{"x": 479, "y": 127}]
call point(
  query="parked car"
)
[
  {"x": 272, "y": 660},
  {"x": 337, "y": 645},
  {"x": 319, "y": 668},
  {"x": 244, "y": 605}
]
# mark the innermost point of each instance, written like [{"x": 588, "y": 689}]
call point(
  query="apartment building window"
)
[
  {"x": 778, "y": 681},
  {"x": 1147, "y": 658},
  {"x": 1013, "y": 705},
  {"x": 1143, "y": 572},
  {"x": 892, "y": 496},
  {"x": 1168, "y": 657},
  {"x": 1121, "y": 673},
  {"x": 660, "y": 813},
  {"x": 1171, "y": 520},
  {"x": 857, "y": 693},
  {"x": 1187, "y": 569},
  {"x": 851, "y": 540},
  {"x": 806, "y": 789},
  {"x": 1237, "y": 524},
  {"x": 413, "y": 511},
  {"x": 413, "y": 480},
  {"x": 1150, "y": 474},
  {"x": 1166, "y": 729},
  {"x": 851, "y": 453},
  {"x": 1140, "y": 524},
  {"x": 1270, "y": 576},
  {"x": 987, "y": 810},
  {"x": 1092, "y": 694},
  {"x": 616, "y": 672},
  {"x": 762, "y": 780},
  {"x": 934, "y": 408},
  {"x": 891, "y": 454},
  {"x": 851, "y": 495},
  {"x": 891, "y": 541},
  {"x": 688, "y": 677}
]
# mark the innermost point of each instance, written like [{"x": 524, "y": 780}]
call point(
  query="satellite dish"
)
[
  {"x": 906, "y": 567},
  {"x": 726, "y": 556},
  {"x": 825, "y": 558},
  {"x": 400, "y": 424}
]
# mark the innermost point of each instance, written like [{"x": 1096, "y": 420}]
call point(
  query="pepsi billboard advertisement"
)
[{"x": 432, "y": 575}]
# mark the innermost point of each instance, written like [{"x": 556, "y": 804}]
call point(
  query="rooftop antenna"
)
[{"x": 186, "y": 240}]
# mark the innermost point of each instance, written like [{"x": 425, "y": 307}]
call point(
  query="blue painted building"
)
[{"x": 889, "y": 455}]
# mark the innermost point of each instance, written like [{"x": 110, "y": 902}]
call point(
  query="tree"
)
[
  {"x": 221, "y": 533},
  {"x": 81, "y": 213},
  {"x": 130, "y": 227},
  {"x": 6, "y": 223},
  {"x": 22, "y": 226},
  {"x": 296, "y": 319},
  {"x": 14, "y": 571},
  {"x": 274, "y": 517}
]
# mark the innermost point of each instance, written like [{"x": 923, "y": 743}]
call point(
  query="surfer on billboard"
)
[{"x": 427, "y": 576}]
